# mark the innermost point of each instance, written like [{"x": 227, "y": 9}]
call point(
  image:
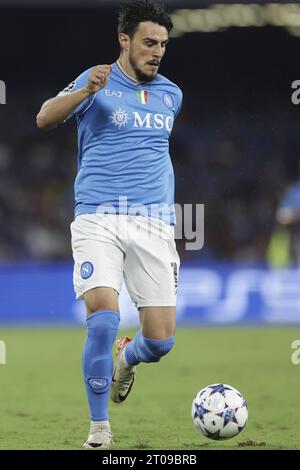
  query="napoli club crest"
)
[
  {"x": 168, "y": 100},
  {"x": 86, "y": 270}
]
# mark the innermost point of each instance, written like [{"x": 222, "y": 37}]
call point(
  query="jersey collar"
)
[{"x": 132, "y": 80}]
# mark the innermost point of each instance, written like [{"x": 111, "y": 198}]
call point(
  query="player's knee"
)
[
  {"x": 159, "y": 347},
  {"x": 100, "y": 306},
  {"x": 101, "y": 323}
]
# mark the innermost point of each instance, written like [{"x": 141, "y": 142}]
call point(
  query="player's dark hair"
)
[{"x": 136, "y": 11}]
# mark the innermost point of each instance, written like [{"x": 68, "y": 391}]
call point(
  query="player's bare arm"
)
[{"x": 56, "y": 110}]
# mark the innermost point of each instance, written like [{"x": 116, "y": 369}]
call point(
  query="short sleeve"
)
[
  {"x": 78, "y": 83},
  {"x": 179, "y": 102}
]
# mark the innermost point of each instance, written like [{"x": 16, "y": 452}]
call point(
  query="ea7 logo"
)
[
  {"x": 158, "y": 121},
  {"x": 2, "y": 92},
  {"x": 118, "y": 94}
]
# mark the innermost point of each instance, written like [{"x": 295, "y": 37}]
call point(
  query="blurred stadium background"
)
[{"x": 235, "y": 149}]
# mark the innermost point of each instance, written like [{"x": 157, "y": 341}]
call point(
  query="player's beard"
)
[{"x": 140, "y": 75}]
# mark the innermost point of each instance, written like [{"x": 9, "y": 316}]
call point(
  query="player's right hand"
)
[{"x": 98, "y": 78}]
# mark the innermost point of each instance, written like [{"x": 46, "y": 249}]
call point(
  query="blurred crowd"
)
[{"x": 237, "y": 160}]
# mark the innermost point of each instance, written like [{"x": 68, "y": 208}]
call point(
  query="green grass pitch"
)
[{"x": 43, "y": 404}]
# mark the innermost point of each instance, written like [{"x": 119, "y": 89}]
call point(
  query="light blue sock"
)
[
  {"x": 97, "y": 361},
  {"x": 143, "y": 349}
]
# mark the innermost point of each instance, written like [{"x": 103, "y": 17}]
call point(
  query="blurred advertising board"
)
[{"x": 42, "y": 294}]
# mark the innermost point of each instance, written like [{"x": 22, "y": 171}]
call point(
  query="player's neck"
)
[{"x": 127, "y": 69}]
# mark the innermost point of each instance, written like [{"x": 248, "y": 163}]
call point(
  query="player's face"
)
[{"x": 147, "y": 49}]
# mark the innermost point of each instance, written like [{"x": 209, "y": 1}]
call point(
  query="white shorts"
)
[{"x": 108, "y": 247}]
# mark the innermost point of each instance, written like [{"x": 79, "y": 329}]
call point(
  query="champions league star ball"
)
[{"x": 219, "y": 412}]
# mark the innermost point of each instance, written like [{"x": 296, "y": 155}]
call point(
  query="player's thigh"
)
[
  {"x": 98, "y": 265},
  {"x": 158, "y": 322},
  {"x": 101, "y": 298},
  {"x": 151, "y": 274}
]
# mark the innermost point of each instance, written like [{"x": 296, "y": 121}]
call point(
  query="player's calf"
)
[
  {"x": 147, "y": 350},
  {"x": 97, "y": 361}
]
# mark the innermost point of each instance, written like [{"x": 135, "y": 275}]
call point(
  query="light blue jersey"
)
[{"x": 124, "y": 164}]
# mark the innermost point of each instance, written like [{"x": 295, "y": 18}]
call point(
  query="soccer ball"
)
[{"x": 219, "y": 411}]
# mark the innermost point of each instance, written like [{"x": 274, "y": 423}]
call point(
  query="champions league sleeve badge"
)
[{"x": 69, "y": 87}]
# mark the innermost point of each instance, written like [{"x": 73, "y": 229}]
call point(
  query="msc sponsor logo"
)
[
  {"x": 121, "y": 118},
  {"x": 150, "y": 121}
]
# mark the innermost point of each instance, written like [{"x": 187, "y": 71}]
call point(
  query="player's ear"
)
[{"x": 124, "y": 40}]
